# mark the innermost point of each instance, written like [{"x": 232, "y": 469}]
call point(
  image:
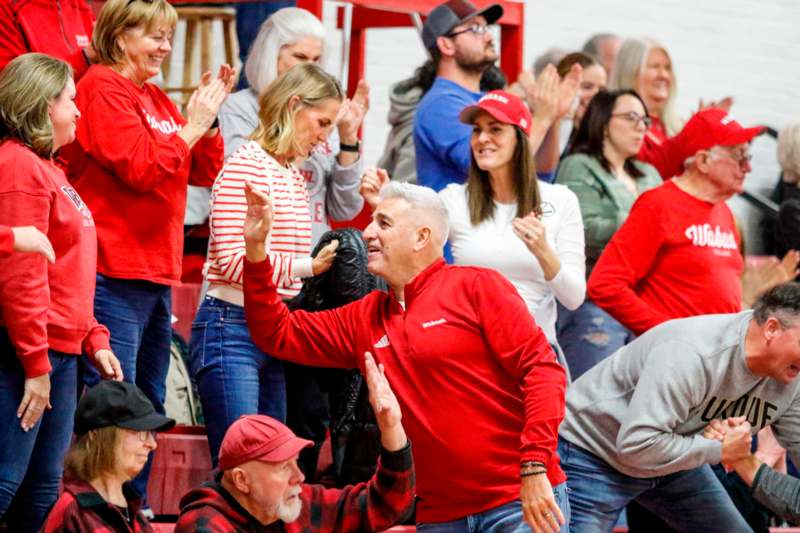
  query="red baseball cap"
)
[
  {"x": 713, "y": 127},
  {"x": 503, "y": 106},
  {"x": 258, "y": 438}
]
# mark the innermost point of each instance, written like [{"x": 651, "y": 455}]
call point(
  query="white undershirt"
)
[{"x": 493, "y": 244}]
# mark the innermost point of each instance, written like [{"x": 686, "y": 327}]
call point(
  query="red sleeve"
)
[
  {"x": 112, "y": 131},
  {"x": 207, "y": 156},
  {"x": 24, "y": 286},
  {"x": 12, "y": 42},
  {"x": 375, "y": 505},
  {"x": 524, "y": 352},
  {"x": 627, "y": 258},
  {"x": 98, "y": 338},
  {"x": 324, "y": 338},
  {"x": 6, "y": 241},
  {"x": 667, "y": 157}
]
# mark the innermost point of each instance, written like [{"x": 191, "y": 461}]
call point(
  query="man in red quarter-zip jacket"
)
[{"x": 478, "y": 383}]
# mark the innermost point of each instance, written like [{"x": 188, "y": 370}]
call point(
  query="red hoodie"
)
[
  {"x": 60, "y": 28},
  {"x": 43, "y": 305},
  {"x": 132, "y": 169}
]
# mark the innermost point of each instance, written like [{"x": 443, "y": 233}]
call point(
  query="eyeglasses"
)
[
  {"x": 634, "y": 118},
  {"x": 143, "y": 435},
  {"x": 742, "y": 159},
  {"x": 477, "y": 29}
]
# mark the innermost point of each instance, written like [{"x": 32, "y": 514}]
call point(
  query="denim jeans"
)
[
  {"x": 31, "y": 462},
  {"x": 506, "y": 518},
  {"x": 138, "y": 314},
  {"x": 233, "y": 376},
  {"x": 691, "y": 500},
  {"x": 588, "y": 335}
]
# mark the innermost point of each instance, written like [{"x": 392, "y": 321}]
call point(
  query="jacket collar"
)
[{"x": 421, "y": 281}]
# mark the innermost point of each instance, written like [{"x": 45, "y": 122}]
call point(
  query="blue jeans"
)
[
  {"x": 506, "y": 518},
  {"x": 138, "y": 315},
  {"x": 233, "y": 376},
  {"x": 691, "y": 500},
  {"x": 588, "y": 335},
  {"x": 31, "y": 462}
]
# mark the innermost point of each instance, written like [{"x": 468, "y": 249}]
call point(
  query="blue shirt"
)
[{"x": 441, "y": 141}]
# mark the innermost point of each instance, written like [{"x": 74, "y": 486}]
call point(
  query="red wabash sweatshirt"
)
[
  {"x": 132, "y": 169},
  {"x": 478, "y": 383},
  {"x": 60, "y": 28},
  {"x": 43, "y": 305},
  {"x": 675, "y": 256}
]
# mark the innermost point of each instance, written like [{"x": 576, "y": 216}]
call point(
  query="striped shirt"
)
[{"x": 289, "y": 241}]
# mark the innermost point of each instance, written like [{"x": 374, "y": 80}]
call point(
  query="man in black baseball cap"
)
[{"x": 457, "y": 36}]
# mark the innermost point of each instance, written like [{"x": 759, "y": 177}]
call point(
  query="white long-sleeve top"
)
[
  {"x": 289, "y": 241},
  {"x": 493, "y": 244}
]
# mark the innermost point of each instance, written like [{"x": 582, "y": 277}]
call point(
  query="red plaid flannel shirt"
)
[
  {"x": 81, "y": 509},
  {"x": 376, "y": 505}
]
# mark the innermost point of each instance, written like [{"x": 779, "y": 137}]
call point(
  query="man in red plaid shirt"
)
[{"x": 259, "y": 486}]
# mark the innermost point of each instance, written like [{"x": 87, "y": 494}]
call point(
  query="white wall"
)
[{"x": 749, "y": 50}]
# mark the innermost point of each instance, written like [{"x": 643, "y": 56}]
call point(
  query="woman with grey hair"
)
[{"x": 333, "y": 169}]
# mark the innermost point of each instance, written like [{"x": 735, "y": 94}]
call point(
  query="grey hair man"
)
[
  {"x": 603, "y": 47},
  {"x": 635, "y": 422},
  {"x": 458, "y": 344}
]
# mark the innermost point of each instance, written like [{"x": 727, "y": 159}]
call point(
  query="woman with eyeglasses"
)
[
  {"x": 603, "y": 171},
  {"x": 116, "y": 427},
  {"x": 132, "y": 160}
]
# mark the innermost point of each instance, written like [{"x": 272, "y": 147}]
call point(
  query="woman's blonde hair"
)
[
  {"x": 93, "y": 454},
  {"x": 312, "y": 85},
  {"x": 28, "y": 85},
  {"x": 118, "y": 16},
  {"x": 789, "y": 152},
  {"x": 631, "y": 60}
]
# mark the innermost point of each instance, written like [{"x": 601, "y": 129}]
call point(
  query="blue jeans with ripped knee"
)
[{"x": 588, "y": 335}]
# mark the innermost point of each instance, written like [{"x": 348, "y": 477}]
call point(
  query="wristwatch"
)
[{"x": 350, "y": 147}]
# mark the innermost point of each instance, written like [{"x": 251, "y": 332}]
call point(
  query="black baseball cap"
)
[
  {"x": 121, "y": 404},
  {"x": 447, "y": 16}
]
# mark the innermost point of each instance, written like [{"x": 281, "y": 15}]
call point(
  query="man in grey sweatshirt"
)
[{"x": 634, "y": 423}]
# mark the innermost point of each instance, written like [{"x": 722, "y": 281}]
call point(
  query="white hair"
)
[
  {"x": 285, "y": 26},
  {"x": 631, "y": 59},
  {"x": 423, "y": 199},
  {"x": 789, "y": 152}
]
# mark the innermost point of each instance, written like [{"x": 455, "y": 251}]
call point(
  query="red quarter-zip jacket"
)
[
  {"x": 477, "y": 381},
  {"x": 60, "y": 28}
]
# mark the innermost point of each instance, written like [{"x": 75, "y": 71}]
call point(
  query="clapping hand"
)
[
  {"x": 385, "y": 405},
  {"x": 372, "y": 181}
]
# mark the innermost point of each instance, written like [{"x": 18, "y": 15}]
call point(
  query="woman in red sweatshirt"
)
[
  {"x": 46, "y": 309},
  {"x": 133, "y": 158}
]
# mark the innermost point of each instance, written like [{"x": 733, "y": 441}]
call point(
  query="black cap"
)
[
  {"x": 447, "y": 16},
  {"x": 121, "y": 404}
]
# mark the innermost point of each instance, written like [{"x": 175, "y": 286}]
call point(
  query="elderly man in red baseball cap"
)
[
  {"x": 677, "y": 254},
  {"x": 259, "y": 484}
]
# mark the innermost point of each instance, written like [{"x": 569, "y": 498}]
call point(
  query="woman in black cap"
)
[{"x": 116, "y": 429}]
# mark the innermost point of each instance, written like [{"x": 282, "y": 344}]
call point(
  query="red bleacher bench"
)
[{"x": 181, "y": 462}]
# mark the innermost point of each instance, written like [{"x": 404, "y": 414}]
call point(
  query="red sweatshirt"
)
[
  {"x": 477, "y": 381},
  {"x": 132, "y": 169},
  {"x": 6, "y": 241},
  {"x": 43, "y": 305},
  {"x": 674, "y": 256},
  {"x": 60, "y": 28}
]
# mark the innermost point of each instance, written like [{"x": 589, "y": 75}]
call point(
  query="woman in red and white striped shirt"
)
[{"x": 297, "y": 111}]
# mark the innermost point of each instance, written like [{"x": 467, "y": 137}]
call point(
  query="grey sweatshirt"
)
[
  {"x": 399, "y": 158},
  {"x": 643, "y": 410},
  {"x": 778, "y": 492},
  {"x": 332, "y": 188}
]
